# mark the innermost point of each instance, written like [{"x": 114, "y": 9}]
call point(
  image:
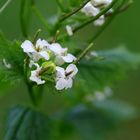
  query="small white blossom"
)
[
  {"x": 100, "y": 21},
  {"x": 6, "y": 64},
  {"x": 64, "y": 78},
  {"x": 69, "y": 30},
  {"x": 36, "y": 52},
  {"x": 90, "y": 10},
  {"x": 61, "y": 54},
  {"x": 101, "y": 2},
  {"x": 35, "y": 77}
]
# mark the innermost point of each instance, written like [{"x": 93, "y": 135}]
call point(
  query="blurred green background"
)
[{"x": 125, "y": 30}]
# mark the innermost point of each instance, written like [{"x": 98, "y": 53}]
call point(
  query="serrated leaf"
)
[
  {"x": 27, "y": 124},
  {"x": 12, "y": 53},
  {"x": 96, "y": 74}
]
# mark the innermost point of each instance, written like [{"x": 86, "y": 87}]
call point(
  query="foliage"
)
[
  {"x": 113, "y": 66},
  {"x": 27, "y": 124},
  {"x": 89, "y": 119},
  {"x": 11, "y": 52}
]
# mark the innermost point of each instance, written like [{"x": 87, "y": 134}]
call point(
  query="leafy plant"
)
[{"x": 40, "y": 63}]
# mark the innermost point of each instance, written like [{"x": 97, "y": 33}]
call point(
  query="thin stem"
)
[
  {"x": 29, "y": 86},
  {"x": 31, "y": 94},
  {"x": 47, "y": 79},
  {"x": 36, "y": 36},
  {"x": 22, "y": 21},
  {"x": 64, "y": 17},
  {"x": 40, "y": 17},
  {"x": 84, "y": 52},
  {"x": 122, "y": 9},
  {"x": 109, "y": 21},
  {"x": 4, "y": 6},
  {"x": 96, "y": 17}
]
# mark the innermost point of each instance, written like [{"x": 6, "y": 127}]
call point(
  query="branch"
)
[
  {"x": 64, "y": 17},
  {"x": 96, "y": 17},
  {"x": 85, "y": 51}
]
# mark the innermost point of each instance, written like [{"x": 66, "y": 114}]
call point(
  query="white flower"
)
[
  {"x": 64, "y": 78},
  {"x": 100, "y": 2},
  {"x": 36, "y": 52},
  {"x": 61, "y": 54},
  {"x": 69, "y": 30},
  {"x": 35, "y": 77},
  {"x": 100, "y": 21},
  {"x": 90, "y": 10},
  {"x": 7, "y": 65}
]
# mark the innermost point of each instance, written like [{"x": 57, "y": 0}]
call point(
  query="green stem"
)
[
  {"x": 40, "y": 17},
  {"x": 84, "y": 52},
  {"x": 96, "y": 17},
  {"x": 29, "y": 86},
  {"x": 4, "y": 6},
  {"x": 109, "y": 21},
  {"x": 32, "y": 95},
  {"x": 36, "y": 36},
  {"x": 64, "y": 17}
]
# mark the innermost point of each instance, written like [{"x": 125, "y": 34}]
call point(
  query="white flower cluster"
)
[
  {"x": 93, "y": 8},
  {"x": 46, "y": 60}
]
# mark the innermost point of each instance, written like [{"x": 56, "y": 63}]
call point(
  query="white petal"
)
[
  {"x": 60, "y": 72},
  {"x": 90, "y": 10},
  {"x": 100, "y": 2},
  {"x": 59, "y": 60},
  {"x": 69, "y": 58},
  {"x": 35, "y": 77},
  {"x": 100, "y": 21},
  {"x": 57, "y": 49},
  {"x": 69, "y": 83},
  {"x": 27, "y": 46},
  {"x": 41, "y": 44},
  {"x": 32, "y": 63},
  {"x": 61, "y": 84},
  {"x": 71, "y": 69},
  {"x": 35, "y": 56},
  {"x": 44, "y": 55}
]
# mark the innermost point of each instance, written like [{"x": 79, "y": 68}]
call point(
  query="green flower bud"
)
[{"x": 49, "y": 66}]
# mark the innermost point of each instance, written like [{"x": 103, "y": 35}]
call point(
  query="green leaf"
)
[
  {"x": 27, "y": 124},
  {"x": 12, "y": 53},
  {"x": 96, "y": 74},
  {"x": 96, "y": 120}
]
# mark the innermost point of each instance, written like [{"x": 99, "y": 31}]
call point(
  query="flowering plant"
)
[{"x": 62, "y": 63}]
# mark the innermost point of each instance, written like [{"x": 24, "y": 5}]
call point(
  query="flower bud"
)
[{"x": 49, "y": 66}]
